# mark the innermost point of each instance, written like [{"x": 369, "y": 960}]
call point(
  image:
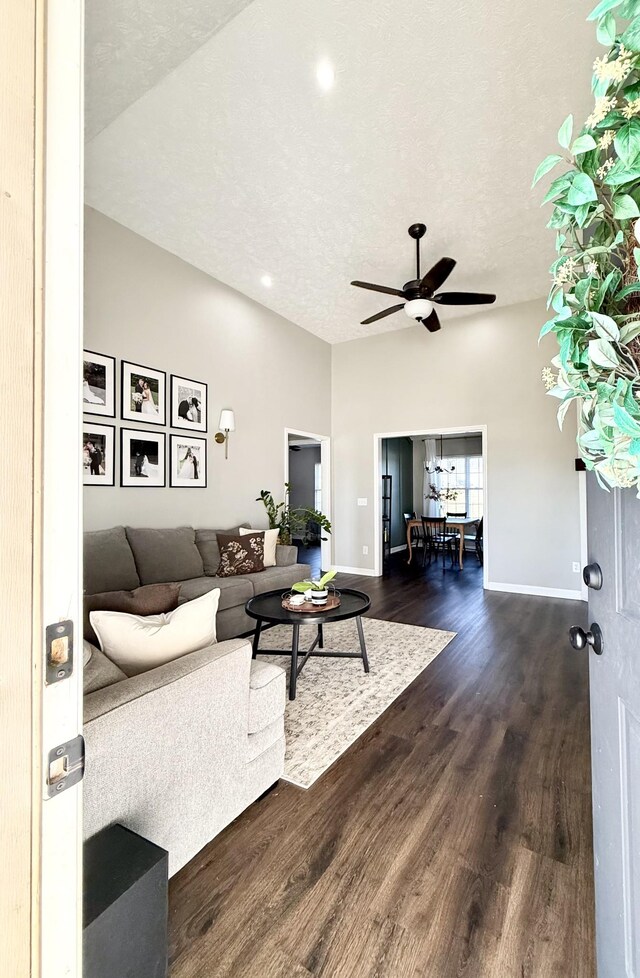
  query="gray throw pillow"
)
[
  {"x": 207, "y": 544},
  {"x": 100, "y": 671}
]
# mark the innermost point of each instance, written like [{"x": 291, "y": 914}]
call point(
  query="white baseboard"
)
[
  {"x": 362, "y": 571},
  {"x": 543, "y": 592}
]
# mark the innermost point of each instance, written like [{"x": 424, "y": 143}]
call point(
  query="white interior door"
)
[{"x": 614, "y": 545}]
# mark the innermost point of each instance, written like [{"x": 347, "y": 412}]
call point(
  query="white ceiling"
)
[
  {"x": 132, "y": 44},
  {"x": 236, "y": 162}
]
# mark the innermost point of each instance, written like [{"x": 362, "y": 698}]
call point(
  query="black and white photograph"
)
[
  {"x": 188, "y": 404},
  {"x": 188, "y": 462},
  {"x": 143, "y": 393},
  {"x": 142, "y": 458},
  {"x": 98, "y": 384},
  {"x": 98, "y": 454}
]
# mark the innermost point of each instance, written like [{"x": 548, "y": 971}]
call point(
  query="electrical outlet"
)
[
  {"x": 362, "y": 501},
  {"x": 576, "y": 567},
  {"x": 365, "y": 551}
]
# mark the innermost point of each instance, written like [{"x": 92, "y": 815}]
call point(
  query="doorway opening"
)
[
  {"x": 307, "y": 470},
  {"x": 440, "y": 475}
]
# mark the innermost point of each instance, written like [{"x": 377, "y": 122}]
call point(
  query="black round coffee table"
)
[{"x": 268, "y": 607}]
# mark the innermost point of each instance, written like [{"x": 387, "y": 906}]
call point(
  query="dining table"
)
[{"x": 459, "y": 523}]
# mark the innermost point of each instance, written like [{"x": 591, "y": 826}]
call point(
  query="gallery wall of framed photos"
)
[{"x": 146, "y": 400}]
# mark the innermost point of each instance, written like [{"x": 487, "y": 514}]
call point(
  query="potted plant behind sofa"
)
[{"x": 290, "y": 521}]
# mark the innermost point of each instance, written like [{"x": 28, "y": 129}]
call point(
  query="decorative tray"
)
[{"x": 333, "y": 601}]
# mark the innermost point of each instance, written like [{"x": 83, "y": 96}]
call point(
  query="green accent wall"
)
[{"x": 397, "y": 461}]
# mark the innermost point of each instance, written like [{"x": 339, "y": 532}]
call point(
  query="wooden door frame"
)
[
  {"x": 20, "y": 230},
  {"x": 41, "y": 62}
]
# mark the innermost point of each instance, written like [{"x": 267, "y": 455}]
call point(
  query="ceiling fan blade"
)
[
  {"x": 432, "y": 322},
  {"x": 381, "y": 315},
  {"x": 437, "y": 275},
  {"x": 463, "y": 298},
  {"x": 378, "y": 288}
]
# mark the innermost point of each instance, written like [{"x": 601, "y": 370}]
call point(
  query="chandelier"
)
[{"x": 428, "y": 467}]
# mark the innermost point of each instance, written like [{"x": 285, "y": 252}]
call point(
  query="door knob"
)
[
  {"x": 580, "y": 639},
  {"x": 592, "y": 576}
]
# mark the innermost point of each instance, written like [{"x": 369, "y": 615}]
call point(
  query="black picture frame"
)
[
  {"x": 109, "y": 362},
  {"x": 175, "y": 480},
  {"x": 175, "y": 402},
  {"x": 127, "y": 412},
  {"x": 129, "y": 480},
  {"x": 108, "y": 432}
]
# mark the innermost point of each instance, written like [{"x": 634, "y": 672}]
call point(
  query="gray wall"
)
[
  {"x": 481, "y": 370},
  {"x": 145, "y": 305},
  {"x": 302, "y": 475},
  {"x": 397, "y": 461}
]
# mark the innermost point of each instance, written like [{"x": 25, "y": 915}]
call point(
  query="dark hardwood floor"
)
[
  {"x": 452, "y": 839},
  {"x": 310, "y": 555}
]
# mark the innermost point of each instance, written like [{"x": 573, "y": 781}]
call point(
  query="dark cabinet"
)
[{"x": 125, "y": 906}]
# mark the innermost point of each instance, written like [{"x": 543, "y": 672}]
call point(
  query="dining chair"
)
[
  {"x": 460, "y": 516},
  {"x": 417, "y": 537},
  {"x": 480, "y": 541},
  {"x": 439, "y": 540}
]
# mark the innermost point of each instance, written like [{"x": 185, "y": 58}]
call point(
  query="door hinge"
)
[
  {"x": 66, "y": 766},
  {"x": 59, "y": 643}
]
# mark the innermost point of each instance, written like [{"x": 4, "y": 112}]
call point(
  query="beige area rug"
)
[{"x": 335, "y": 699}]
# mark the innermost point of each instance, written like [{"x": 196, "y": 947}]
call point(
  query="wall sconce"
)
[{"x": 227, "y": 423}]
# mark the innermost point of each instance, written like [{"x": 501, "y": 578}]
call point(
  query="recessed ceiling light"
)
[
  {"x": 325, "y": 75},
  {"x": 267, "y": 281}
]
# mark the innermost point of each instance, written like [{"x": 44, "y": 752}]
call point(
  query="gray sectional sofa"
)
[
  {"x": 121, "y": 559},
  {"x": 180, "y": 751}
]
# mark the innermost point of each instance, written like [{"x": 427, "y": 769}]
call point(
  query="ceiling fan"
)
[{"x": 420, "y": 294}]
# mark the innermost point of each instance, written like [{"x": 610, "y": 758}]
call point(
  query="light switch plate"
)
[{"x": 362, "y": 501}]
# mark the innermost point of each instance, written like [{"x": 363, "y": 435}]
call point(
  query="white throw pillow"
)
[
  {"x": 137, "y": 643},
  {"x": 270, "y": 544}
]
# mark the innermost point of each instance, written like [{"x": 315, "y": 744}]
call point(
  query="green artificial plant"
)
[
  {"x": 319, "y": 585},
  {"x": 595, "y": 294},
  {"x": 290, "y": 521}
]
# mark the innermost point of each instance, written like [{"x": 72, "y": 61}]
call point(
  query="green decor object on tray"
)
[
  {"x": 595, "y": 294},
  {"x": 290, "y": 521},
  {"x": 320, "y": 585},
  {"x": 316, "y": 591}
]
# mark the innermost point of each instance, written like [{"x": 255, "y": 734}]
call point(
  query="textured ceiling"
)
[
  {"x": 132, "y": 44},
  {"x": 440, "y": 113}
]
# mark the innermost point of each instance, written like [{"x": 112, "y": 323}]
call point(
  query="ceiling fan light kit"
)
[
  {"x": 420, "y": 295},
  {"x": 418, "y": 308}
]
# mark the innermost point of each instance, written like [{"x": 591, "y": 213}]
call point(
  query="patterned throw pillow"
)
[{"x": 240, "y": 554}]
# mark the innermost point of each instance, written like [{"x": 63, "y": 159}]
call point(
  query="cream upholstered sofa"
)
[{"x": 180, "y": 751}]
